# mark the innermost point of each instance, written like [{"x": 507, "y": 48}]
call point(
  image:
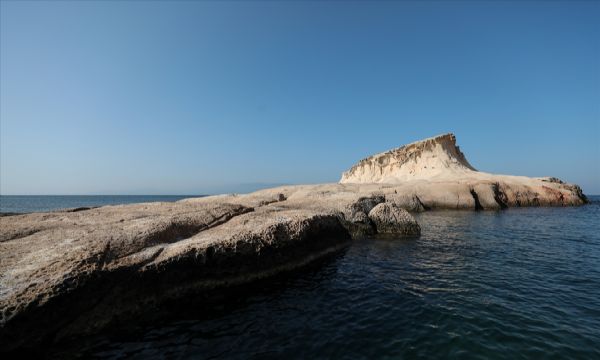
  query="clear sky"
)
[{"x": 139, "y": 97}]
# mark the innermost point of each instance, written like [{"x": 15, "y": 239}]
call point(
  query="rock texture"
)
[
  {"x": 69, "y": 273},
  {"x": 436, "y": 172},
  {"x": 389, "y": 218},
  {"x": 66, "y": 274},
  {"x": 430, "y": 159}
]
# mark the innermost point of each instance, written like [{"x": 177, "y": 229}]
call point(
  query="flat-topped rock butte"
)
[{"x": 70, "y": 273}]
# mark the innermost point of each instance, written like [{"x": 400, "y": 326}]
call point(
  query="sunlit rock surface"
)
[
  {"x": 436, "y": 172},
  {"x": 65, "y": 274}
]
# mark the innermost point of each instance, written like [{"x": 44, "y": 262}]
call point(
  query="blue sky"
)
[{"x": 198, "y": 97}]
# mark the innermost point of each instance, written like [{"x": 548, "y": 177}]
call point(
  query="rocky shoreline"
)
[{"x": 67, "y": 274}]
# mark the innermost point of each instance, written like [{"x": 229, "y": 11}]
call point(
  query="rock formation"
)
[
  {"x": 436, "y": 158},
  {"x": 437, "y": 173},
  {"x": 65, "y": 274},
  {"x": 389, "y": 218}
]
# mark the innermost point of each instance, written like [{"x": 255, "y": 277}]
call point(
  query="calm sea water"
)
[
  {"x": 515, "y": 284},
  {"x": 36, "y": 203}
]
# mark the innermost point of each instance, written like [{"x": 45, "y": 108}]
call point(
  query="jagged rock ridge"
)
[
  {"x": 436, "y": 173},
  {"x": 433, "y": 158}
]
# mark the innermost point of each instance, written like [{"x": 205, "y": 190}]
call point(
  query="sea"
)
[
  {"x": 37, "y": 203},
  {"x": 521, "y": 283}
]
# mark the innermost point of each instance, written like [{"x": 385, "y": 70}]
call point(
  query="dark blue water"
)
[
  {"x": 36, "y": 203},
  {"x": 516, "y": 284}
]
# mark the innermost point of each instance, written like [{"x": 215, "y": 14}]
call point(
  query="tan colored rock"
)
[
  {"x": 389, "y": 218},
  {"x": 439, "y": 175},
  {"x": 71, "y": 273},
  {"x": 434, "y": 158},
  {"x": 75, "y": 272}
]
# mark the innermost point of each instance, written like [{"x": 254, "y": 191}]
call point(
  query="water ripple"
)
[{"x": 516, "y": 284}]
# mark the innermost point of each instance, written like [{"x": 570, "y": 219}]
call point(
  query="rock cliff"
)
[
  {"x": 437, "y": 173},
  {"x": 435, "y": 158}
]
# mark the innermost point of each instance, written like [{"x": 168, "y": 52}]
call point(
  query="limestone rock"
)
[
  {"x": 436, "y": 157},
  {"x": 437, "y": 173},
  {"x": 389, "y": 218},
  {"x": 75, "y": 272},
  {"x": 410, "y": 202},
  {"x": 66, "y": 274}
]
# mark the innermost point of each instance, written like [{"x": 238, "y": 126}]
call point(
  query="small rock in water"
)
[{"x": 389, "y": 218}]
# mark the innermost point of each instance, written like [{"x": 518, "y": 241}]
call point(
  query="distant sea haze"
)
[{"x": 40, "y": 203}]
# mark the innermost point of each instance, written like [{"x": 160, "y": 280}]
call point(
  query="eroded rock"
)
[
  {"x": 389, "y": 218},
  {"x": 438, "y": 173},
  {"x": 70, "y": 273}
]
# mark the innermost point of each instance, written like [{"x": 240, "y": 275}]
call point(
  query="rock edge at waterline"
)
[{"x": 65, "y": 274}]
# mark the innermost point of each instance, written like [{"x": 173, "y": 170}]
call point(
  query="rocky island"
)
[{"x": 69, "y": 273}]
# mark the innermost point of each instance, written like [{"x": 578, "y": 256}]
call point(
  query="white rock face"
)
[
  {"x": 434, "y": 173},
  {"x": 430, "y": 159}
]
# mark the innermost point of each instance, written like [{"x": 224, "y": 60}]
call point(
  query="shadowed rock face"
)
[
  {"x": 66, "y": 274},
  {"x": 70, "y": 273}
]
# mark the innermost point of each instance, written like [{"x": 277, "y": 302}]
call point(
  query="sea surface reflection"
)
[{"x": 516, "y": 284}]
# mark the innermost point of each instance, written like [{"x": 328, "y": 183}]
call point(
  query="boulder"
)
[{"x": 389, "y": 218}]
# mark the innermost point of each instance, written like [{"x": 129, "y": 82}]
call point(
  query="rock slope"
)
[
  {"x": 70, "y": 273},
  {"x": 436, "y": 158},
  {"x": 435, "y": 171}
]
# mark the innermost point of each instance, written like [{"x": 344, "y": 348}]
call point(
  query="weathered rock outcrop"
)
[
  {"x": 389, "y": 218},
  {"x": 71, "y": 273},
  {"x": 434, "y": 158},
  {"x": 436, "y": 172},
  {"x": 67, "y": 274}
]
